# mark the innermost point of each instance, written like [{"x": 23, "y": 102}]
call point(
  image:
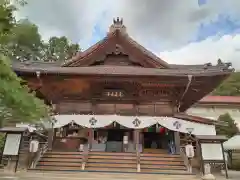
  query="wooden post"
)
[
  {"x": 177, "y": 141},
  {"x": 18, "y": 156},
  {"x": 225, "y": 164},
  {"x": 50, "y": 138},
  {"x": 90, "y": 138}
]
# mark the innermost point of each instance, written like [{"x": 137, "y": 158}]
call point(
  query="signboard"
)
[
  {"x": 212, "y": 152},
  {"x": 114, "y": 93},
  {"x": 12, "y": 144}
]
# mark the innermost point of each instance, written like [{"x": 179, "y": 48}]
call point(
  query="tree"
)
[
  {"x": 15, "y": 100},
  {"x": 59, "y": 49},
  {"x": 230, "y": 130},
  {"x": 230, "y": 87},
  {"x": 24, "y": 42}
]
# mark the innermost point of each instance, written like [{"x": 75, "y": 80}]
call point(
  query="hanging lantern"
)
[{"x": 162, "y": 130}]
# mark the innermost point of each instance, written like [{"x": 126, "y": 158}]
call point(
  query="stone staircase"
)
[
  {"x": 151, "y": 163},
  {"x": 162, "y": 163},
  {"x": 111, "y": 162},
  {"x": 60, "y": 161}
]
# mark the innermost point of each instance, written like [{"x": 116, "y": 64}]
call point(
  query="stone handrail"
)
[
  {"x": 39, "y": 155},
  {"x": 85, "y": 157}
]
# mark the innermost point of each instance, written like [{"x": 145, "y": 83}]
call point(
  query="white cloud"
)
[{"x": 226, "y": 48}]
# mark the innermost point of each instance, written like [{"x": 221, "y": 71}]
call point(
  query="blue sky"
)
[{"x": 222, "y": 26}]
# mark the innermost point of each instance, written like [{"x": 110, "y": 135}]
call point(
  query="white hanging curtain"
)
[
  {"x": 133, "y": 122},
  {"x": 180, "y": 125},
  {"x": 136, "y": 122},
  {"x": 88, "y": 121},
  {"x": 95, "y": 121},
  {"x": 63, "y": 120}
]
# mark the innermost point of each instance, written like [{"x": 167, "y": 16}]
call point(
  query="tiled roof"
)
[
  {"x": 198, "y": 119},
  {"x": 221, "y": 99},
  {"x": 103, "y": 43}
]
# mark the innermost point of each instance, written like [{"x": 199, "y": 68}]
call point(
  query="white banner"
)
[
  {"x": 184, "y": 126},
  {"x": 133, "y": 122}
]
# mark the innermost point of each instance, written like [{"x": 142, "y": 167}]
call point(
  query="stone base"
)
[{"x": 208, "y": 177}]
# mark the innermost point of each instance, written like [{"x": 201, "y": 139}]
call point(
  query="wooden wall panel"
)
[
  {"x": 146, "y": 109},
  {"x": 105, "y": 109},
  {"x": 125, "y": 109},
  {"x": 163, "y": 110},
  {"x": 74, "y": 107}
]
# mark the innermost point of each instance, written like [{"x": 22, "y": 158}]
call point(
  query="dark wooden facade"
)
[{"x": 119, "y": 76}]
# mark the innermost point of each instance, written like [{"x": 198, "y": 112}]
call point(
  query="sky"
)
[{"x": 178, "y": 31}]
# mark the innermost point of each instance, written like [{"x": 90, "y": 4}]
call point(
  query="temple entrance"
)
[
  {"x": 115, "y": 134},
  {"x": 157, "y": 138}
]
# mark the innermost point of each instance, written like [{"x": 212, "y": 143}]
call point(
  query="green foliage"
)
[
  {"x": 24, "y": 43},
  {"x": 230, "y": 87},
  {"x": 15, "y": 100},
  {"x": 6, "y": 16},
  {"x": 2, "y": 136},
  {"x": 59, "y": 49},
  {"x": 231, "y": 128},
  {"x": 16, "y": 103}
]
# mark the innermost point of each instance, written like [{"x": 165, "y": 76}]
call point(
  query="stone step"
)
[
  {"x": 57, "y": 168},
  {"x": 158, "y": 155},
  {"x": 162, "y": 162},
  {"x": 66, "y": 156},
  {"x": 64, "y": 153},
  {"x": 45, "y": 159},
  {"x": 112, "y": 165},
  {"x": 60, "y": 164},
  {"x": 112, "y": 153},
  {"x": 114, "y": 169},
  {"x": 90, "y": 159},
  {"x": 166, "y": 158},
  {"x": 112, "y": 157},
  {"x": 156, "y": 167}
]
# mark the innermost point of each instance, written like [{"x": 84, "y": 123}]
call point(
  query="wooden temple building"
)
[{"x": 118, "y": 90}]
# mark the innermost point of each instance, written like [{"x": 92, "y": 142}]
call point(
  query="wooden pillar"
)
[
  {"x": 177, "y": 141},
  {"x": 90, "y": 138},
  {"x": 136, "y": 133},
  {"x": 50, "y": 138}
]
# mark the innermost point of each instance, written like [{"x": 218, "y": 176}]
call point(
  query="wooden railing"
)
[
  {"x": 138, "y": 159},
  {"x": 85, "y": 157}
]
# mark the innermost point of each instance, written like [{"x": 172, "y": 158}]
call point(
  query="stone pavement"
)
[{"x": 93, "y": 176}]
